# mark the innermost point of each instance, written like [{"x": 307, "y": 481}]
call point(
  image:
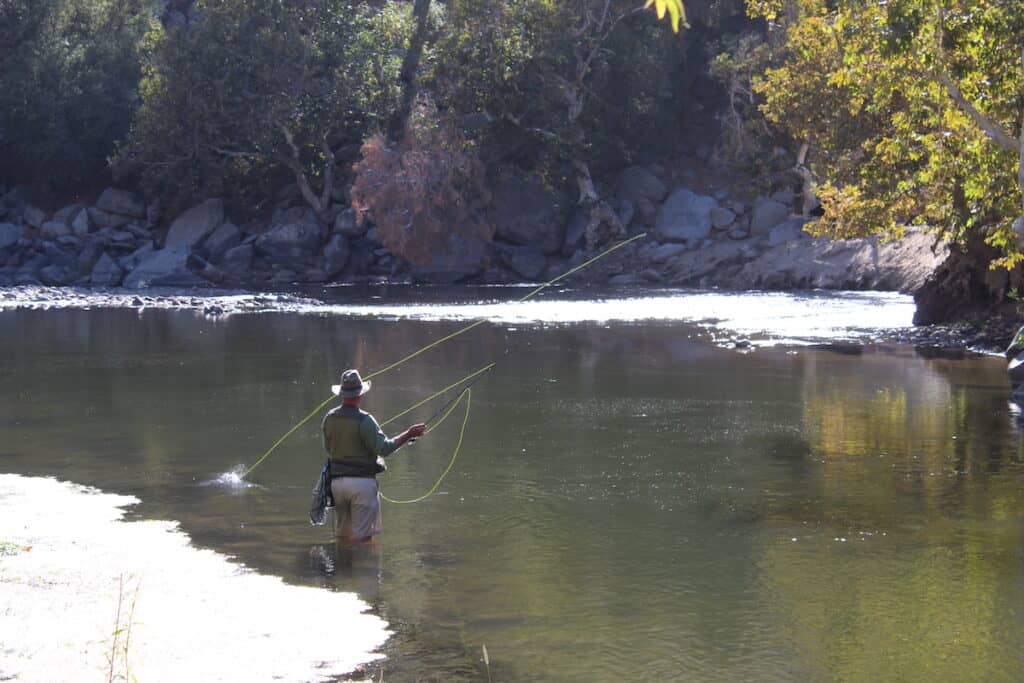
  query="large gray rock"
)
[
  {"x": 787, "y": 231},
  {"x": 68, "y": 213},
  {"x": 684, "y": 217},
  {"x": 106, "y": 273},
  {"x": 528, "y": 213},
  {"x": 722, "y": 218},
  {"x": 10, "y": 234},
  {"x": 637, "y": 183},
  {"x": 766, "y": 215},
  {"x": 122, "y": 203},
  {"x": 227, "y": 236},
  {"x": 294, "y": 244},
  {"x": 527, "y": 262},
  {"x": 336, "y": 253},
  {"x": 192, "y": 227},
  {"x": 54, "y": 229},
  {"x": 238, "y": 260},
  {"x": 80, "y": 223},
  {"x": 164, "y": 268},
  {"x": 105, "y": 219},
  {"x": 34, "y": 216},
  {"x": 54, "y": 275},
  {"x": 460, "y": 258},
  {"x": 60, "y": 256},
  {"x": 624, "y": 209},
  {"x": 88, "y": 255},
  {"x": 347, "y": 224},
  {"x": 574, "y": 232},
  {"x": 664, "y": 252}
]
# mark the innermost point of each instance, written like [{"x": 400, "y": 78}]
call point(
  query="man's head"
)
[{"x": 352, "y": 386}]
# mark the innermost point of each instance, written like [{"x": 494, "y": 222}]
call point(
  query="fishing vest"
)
[{"x": 348, "y": 454}]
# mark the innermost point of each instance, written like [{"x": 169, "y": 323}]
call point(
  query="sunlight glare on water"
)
[{"x": 776, "y": 318}]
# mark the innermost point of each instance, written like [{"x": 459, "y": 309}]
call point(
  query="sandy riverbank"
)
[{"x": 186, "y": 614}]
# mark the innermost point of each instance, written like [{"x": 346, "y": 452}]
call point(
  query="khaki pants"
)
[{"x": 356, "y": 507}]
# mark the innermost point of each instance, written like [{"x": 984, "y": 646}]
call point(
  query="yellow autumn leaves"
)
[{"x": 674, "y": 8}]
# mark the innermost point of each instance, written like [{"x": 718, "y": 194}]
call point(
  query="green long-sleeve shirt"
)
[{"x": 351, "y": 434}]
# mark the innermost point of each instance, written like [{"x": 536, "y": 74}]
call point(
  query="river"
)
[{"x": 638, "y": 496}]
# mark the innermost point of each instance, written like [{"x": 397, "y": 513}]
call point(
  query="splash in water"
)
[{"x": 231, "y": 479}]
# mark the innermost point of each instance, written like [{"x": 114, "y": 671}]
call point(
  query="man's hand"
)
[{"x": 412, "y": 433}]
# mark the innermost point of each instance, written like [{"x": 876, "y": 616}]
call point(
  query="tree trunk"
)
[
  {"x": 407, "y": 76},
  {"x": 809, "y": 198}
]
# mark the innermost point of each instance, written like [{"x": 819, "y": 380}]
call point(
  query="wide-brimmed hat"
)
[{"x": 352, "y": 385}]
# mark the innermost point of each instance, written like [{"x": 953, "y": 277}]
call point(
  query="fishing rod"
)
[
  {"x": 438, "y": 342},
  {"x": 453, "y": 399}
]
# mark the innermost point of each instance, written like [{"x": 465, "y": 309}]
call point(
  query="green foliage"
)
[
  {"x": 518, "y": 62},
  {"x": 260, "y": 86},
  {"x": 864, "y": 83},
  {"x": 68, "y": 77}
]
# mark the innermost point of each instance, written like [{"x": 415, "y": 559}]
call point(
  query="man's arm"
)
[{"x": 378, "y": 442}]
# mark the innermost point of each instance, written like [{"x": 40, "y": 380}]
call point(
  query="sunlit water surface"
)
[{"x": 635, "y": 500}]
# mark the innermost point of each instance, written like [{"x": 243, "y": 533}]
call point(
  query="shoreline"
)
[{"x": 84, "y": 592}]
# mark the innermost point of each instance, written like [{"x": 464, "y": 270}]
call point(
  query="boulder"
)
[
  {"x": 192, "y": 227},
  {"x": 237, "y": 261},
  {"x": 646, "y": 211},
  {"x": 68, "y": 214},
  {"x": 461, "y": 258},
  {"x": 527, "y": 262},
  {"x": 528, "y": 213},
  {"x": 89, "y": 255},
  {"x": 766, "y": 215},
  {"x": 574, "y": 232},
  {"x": 722, "y": 218},
  {"x": 625, "y": 209},
  {"x": 80, "y": 223},
  {"x": 684, "y": 217},
  {"x": 293, "y": 244},
  {"x": 347, "y": 224},
  {"x": 10, "y": 234},
  {"x": 54, "y": 275},
  {"x": 164, "y": 268},
  {"x": 122, "y": 203},
  {"x": 738, "y": 234},
  {"x": 106, "y": 273},
  {"x": 336, "y": 253},
  {"x": 105, "y": 219},
  {"x": 34, "y": 216},
  {"x": 784, "y": 197},
  {"x": 665, "y": 252},
  {"x": 227, "y": 236},
  {"x": 57, "y": 255},
  {"x": 637, "y": 183},
  {"x": 54, "y": 229},
  {"x": 786, "y": 231}
]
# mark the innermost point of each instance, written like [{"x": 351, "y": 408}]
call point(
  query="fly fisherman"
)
[{"x": 355, "y": 445}]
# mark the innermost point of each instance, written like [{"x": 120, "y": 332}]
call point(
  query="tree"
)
[
  {"x": 260, "y": 86},
  {"x": 913, "y": 111},
  {"x": 68, "y": 78}
]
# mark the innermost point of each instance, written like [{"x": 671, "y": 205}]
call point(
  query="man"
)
[{"x": 355, "y": 443}]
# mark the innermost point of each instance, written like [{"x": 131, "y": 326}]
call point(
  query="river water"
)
[{"x": 635, "y": 499}]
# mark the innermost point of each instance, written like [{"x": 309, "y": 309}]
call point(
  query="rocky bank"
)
[{"x": 712, "y": 240}]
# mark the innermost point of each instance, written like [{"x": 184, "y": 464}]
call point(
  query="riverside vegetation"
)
[{"x": 769, "y": 143}]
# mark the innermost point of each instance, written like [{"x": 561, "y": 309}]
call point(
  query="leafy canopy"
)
[{"x": 866, "y": 84}]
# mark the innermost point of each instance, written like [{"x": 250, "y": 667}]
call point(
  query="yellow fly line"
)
[
  {"x": 467, "y": 393},
  {"x": 434, "y": 344}
]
